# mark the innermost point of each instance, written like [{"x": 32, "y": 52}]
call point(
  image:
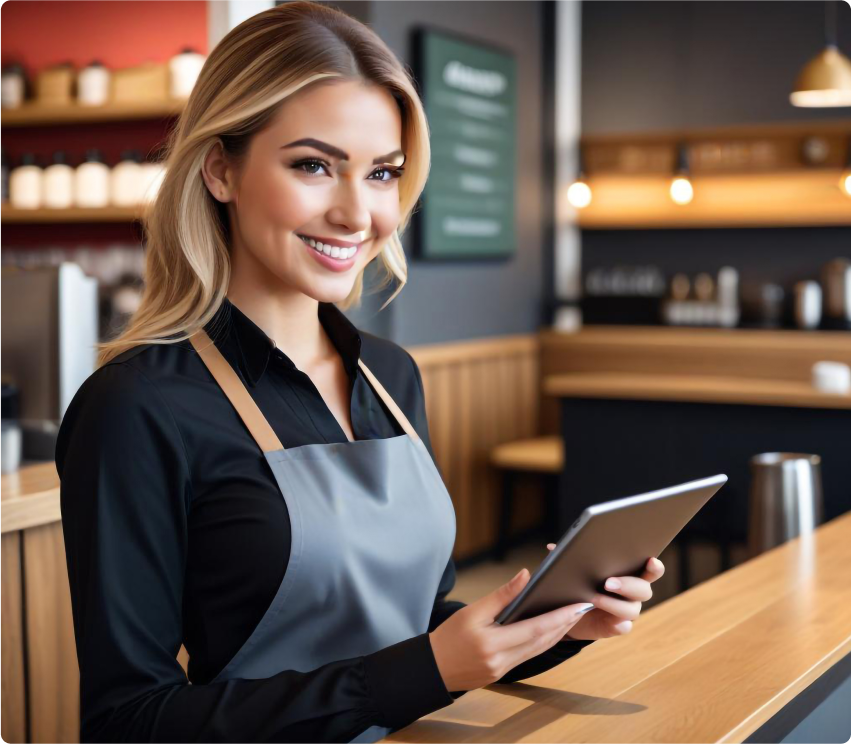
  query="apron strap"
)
[
  {"x": 390, "y": 403},
  {"x": 248, "y": 410},
  {"x": 233, "y": 388}
]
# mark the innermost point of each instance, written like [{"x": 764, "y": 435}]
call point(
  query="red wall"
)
[{"x": 120, "y": 33}]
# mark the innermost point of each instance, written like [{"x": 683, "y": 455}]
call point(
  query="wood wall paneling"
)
[
  {"x": 53, "y": 673},
  {"x": 480, "y": 394},
  {"x": 13, "y": 682}
]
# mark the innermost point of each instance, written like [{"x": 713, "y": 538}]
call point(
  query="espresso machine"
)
[{"x": 49, "y": 337}]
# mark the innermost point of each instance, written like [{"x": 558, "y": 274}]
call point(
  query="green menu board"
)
[{"x": 469, "y": 93}]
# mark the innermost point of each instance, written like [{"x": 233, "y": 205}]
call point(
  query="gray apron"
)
[{"x": 373, "y": 528}]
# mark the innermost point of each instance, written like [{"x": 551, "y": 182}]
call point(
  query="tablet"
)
[{"x": 615, "y": 538}]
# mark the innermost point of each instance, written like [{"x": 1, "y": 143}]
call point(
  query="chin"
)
[{"x": 331, "y": 292}]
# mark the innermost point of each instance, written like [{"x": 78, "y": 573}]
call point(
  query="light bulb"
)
[
  {"x": 846, "y": 182},
  {"x": 681, "y": 190},
  {"x": 579, "y": 194}
]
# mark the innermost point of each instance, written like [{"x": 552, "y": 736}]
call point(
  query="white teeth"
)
[{"x": 334, "y": 251}]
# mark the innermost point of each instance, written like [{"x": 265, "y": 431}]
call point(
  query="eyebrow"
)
[{"x": 336, "y": 152}]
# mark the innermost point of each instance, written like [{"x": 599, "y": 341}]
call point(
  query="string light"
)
[
  {"x": 579, "y": 192},
  {"x": 682, "y": 191},
  {"x": 845, "y": 181}
]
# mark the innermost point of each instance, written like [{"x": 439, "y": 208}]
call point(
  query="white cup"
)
[{"x": 832, "y": 377}]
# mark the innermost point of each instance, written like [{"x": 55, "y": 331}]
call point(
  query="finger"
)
[
  {"x": 654, "y": 569},
  {"x": 535, "y": 646},
  {"x": 551, "y": 546},
  {"x": 630, "y": 587},
  {"x": 621, "y": 608},
  {"x": 524, "y": 631}
]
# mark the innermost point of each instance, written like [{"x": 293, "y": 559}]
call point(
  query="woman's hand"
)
[
  {"x": 472, "y": 650},
  {"x": 614, "y": 616}
]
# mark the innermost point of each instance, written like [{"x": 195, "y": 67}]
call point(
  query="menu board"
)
[{"x": 469, "y": 90}]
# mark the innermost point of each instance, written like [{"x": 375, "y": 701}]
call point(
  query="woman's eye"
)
[
  {"x": 309, "y": 163},
  {"x": 311, "y": 168},
  {"x": 395, "y": 173}
]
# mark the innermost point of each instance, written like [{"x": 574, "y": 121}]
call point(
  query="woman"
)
[{"x": 248, "y": 474}]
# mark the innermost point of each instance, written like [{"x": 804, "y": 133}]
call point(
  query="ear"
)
[{"x": 217, "y": 173}]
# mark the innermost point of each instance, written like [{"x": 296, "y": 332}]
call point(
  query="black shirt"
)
[{"x": 176, "y": 532}]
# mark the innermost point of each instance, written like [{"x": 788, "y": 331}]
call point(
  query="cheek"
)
[
  {"x": 386, "y": 215},
  {"x": 282, "y": 203}
]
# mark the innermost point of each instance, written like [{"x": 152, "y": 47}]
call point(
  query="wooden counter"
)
[
  {"x": 710, "y": 665},
  {"x": 743, "y": 354},
  {"x": 693, "y": 389},
  {"x": 40, "y": 674},
  {"x": 30, "y": 497}
]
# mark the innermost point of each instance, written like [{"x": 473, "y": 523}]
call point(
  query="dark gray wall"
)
[
  {"x": 663, "y": 65},
  {"x": 462, "y": 300},
  {"x": 449, "y": 301}
]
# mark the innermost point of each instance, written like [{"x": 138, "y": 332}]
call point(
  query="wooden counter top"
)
[
  {"x": 30, "y": 497},
  {"x": 738, "y": 352},
  {"x": 728, "y": 365},
  {"x": 710, "y": 665},
  {"x": 692, "y": 389}
]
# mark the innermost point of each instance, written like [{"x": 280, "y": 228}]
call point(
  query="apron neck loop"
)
[{"x": 247, "y": 409}]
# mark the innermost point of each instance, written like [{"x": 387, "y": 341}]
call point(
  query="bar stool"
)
[{"x": 543, "y": 455}]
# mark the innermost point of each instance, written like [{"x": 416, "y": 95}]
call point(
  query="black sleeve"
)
[
  {"x": 444, "y": 609},
  {"x": 124, "y": 496}
]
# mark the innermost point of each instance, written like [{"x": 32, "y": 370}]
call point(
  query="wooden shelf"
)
[
  {"x": 35, "y": 115},
  {"x": 792, "y": 199},
  {"x": 11, "y": 215}
]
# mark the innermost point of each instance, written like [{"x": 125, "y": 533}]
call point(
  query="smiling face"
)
[{"x": 325, "y": 169}]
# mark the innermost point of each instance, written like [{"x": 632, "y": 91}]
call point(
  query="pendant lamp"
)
[{"x": 825, "y": 80}]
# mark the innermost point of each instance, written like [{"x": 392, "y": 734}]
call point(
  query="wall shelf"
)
[
  {"x": 762, "y": 175},
  {"x": 806, "y": 198},
  {"x": 32, "y": 114},
  {"x": 11, "y": 215}
]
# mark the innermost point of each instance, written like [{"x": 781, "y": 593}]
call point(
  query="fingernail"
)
[
  {"x": 517, "y": 578},
  {"x": 613, "y": 584},
  {"x": 585, "y": 609}
]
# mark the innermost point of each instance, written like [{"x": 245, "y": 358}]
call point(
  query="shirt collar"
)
[{"x": 251, "y": 348}]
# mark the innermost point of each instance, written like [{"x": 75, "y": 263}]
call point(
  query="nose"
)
[{"x": 350, "y": 209}]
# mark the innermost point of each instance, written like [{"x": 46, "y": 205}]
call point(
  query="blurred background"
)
[{"x": 632, "y": 268}]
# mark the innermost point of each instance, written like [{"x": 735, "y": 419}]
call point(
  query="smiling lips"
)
[{"x": 336, "y": 250}]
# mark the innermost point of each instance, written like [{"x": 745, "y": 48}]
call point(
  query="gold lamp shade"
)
[{"x": 825, "y": 81}]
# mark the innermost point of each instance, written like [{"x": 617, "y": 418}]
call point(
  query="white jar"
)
[
  {"x": 25, "y": 183},
  {"x": 125, "y": 180},
  {"x": 93, "y": 85},
  {"x": 57, "y": 186},
  {"x": 152, "y": 178},
  {"x": 13, "y": 88},
  {"x": 91, "y": 182},
  {"x": 184, "y": 69}
]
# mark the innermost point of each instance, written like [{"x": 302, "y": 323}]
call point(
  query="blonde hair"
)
[{"x": 255, "y": 67}]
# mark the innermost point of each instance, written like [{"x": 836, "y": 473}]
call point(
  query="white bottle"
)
[
  {"x": 184, "y": 69},
  {"x": 125, "y": 180},
  {"x": 93, "y": 85},
  {"x": 25, "y": 183},
  {"x": 58, "y": 183},
  {"x": 152, "y": 178},
  {"x": 91, "y": 186},
  {"x": 13, "y": 90}
]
